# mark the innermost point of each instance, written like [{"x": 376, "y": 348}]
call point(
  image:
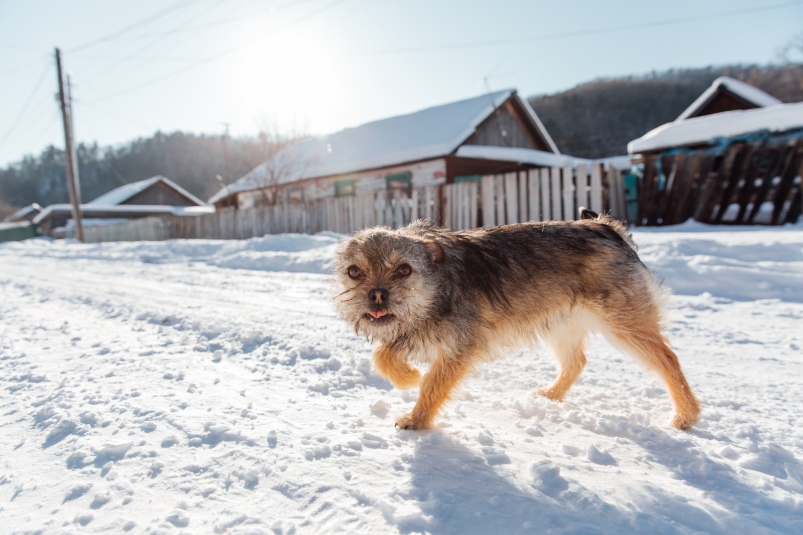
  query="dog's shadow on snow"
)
[{"x": 456, "y": 491}]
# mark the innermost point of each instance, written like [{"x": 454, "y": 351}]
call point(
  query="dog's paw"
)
[
  {"x": 410, "y": 423},
  {"x": 550, "y": 393},
  {"x": 683, "y": 422}
]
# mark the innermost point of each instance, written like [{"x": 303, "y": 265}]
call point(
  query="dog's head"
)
[{"x": 386, "y": 281}]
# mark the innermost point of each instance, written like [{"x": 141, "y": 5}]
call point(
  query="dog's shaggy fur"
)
[{"x": 453, "y": 299}]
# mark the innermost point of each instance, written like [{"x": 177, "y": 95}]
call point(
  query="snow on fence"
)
[
  {"x": 542, "y": 194},
  {"x": 533, "y": 195}
]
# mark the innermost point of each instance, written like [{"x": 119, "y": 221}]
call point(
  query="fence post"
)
[
  {"x": 546, "y": 213},
  {"x": 534, "y": 189},
  {"x": 488, "y": 219},
  {"x": 511, "y": 200},
  {"x": 522, "y": 196},
  {"x": 500, "y": 200},
  {"x": 568, "y": 193},
  {"x": 582, "y": 186},
  {"x": 556, "y": 194},
  {"x": 596, "y": 187}
]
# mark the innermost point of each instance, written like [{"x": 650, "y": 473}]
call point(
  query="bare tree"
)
[
  {"x": 792, "y": 52},
  {"x": 278, "y": 159}
]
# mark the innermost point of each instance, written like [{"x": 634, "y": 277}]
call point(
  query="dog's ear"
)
[{"x": 435, "y": 251}]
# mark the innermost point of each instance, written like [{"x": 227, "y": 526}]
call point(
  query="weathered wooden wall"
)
[{"x": 754, "y": 180}]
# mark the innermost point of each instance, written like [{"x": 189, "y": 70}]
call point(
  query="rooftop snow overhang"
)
[{"x": 706, "y": 129}]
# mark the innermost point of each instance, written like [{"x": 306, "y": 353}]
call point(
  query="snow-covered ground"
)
[{"x": 206, "y": 387}]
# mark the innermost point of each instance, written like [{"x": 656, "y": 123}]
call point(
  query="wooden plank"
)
[
  {"x": 522, "y": 196},
  {"x": 414, "y": 206},
  {"x": 581, "y": 179},
  {"x": 596, "y": 188},
  {"x": 569, "y": 212},
  {"x": 556, "y": 195},
  {"x": 473, "y": 205},
  {"x": 500, "y": 199},
  {"x": 488, "y": 207},
  {"x": 546, "y": 212},
  {"x": 534, "y": 188},
  {"x": 448, "y": 221},
  {"x": 511, "y": 198}
]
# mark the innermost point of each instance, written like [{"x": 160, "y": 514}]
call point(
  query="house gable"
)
[
  {"x": 723, "y": 101},
  {"x": 159, "y": 194},
  {"x": 507, "y": 127}
]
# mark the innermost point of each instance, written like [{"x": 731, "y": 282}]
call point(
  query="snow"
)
[
  {"x": 706, "y": 129},
  {"x": 107, "y": 210},
  {"x": 518, "y": 155},
  {"x": 123, "y": 193},
  {"x": 426, "y": 134},
  {"x": 207, "y": 387},
  {"x": 742, "y": 90}
]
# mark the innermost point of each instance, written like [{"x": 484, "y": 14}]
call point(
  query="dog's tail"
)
[{"x": 615, "y": 224}]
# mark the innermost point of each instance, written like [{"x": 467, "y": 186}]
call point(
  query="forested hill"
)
[
  {"x": 592, "y": 120},
  {"x": 599, "y": 118},
  {"x": 192, "y": 161}
]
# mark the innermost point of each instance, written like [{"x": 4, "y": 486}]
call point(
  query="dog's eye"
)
[
  {"x": 354, "y": 272},
  {"x": 403, "y": 270}
]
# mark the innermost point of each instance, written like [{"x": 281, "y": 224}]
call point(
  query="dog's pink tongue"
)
[{"x": 378, "y": 314}]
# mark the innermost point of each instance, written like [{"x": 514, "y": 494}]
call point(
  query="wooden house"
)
[
  {"x": 461, "y": 141},
  {"x": 150, "y": 197}
]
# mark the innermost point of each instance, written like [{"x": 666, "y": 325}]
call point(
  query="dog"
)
[{"x": 454, "y": 299}]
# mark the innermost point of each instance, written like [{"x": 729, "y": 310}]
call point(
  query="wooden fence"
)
[
  {"x": 751, "y": 180},
  {"x": 534, "y": 195}
]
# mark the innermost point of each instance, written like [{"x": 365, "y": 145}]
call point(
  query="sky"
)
[{"x": 317, "y": 66}]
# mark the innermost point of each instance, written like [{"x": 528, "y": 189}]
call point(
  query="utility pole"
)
[
  {"x": 225, "y": 153},
  {"x": 70, "y": 157}
]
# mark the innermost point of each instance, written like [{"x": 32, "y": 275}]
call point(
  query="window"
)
[
  {"x": 400, "y": 182},
  {"x": 467, "y": 178},
  {"x": 295, "y": 195},
  {"x": 344, "y": 188}
]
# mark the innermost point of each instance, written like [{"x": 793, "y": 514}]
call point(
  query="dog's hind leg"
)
[
  {"x": 640, "y": 336},
  {"x": 567, "y": 342},
  {"x": 436, "y": 386},
  {"x": 395, "y": 368}
]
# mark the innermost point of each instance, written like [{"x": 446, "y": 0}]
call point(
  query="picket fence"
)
[
  {"x": 543, "y": 194},
  {"x": 533, "y": 195}
]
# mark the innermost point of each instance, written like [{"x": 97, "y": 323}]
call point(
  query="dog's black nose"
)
[{"x": 378, "y": 295}]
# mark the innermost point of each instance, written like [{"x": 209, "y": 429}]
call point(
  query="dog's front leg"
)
[
  {"x": 394, "y": 368},
  {"x": 436, "y": 386}
]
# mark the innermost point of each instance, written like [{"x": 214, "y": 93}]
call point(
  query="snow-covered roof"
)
[
  {"x": 706, "y": 129},
  {"x": 123, "y": 193},
  {"x": 23, "y": 212},
  {"x": 536, "y": 157},
  {"x": 744, "y": 91},
  {"x": 103, "y": 210},
  {"x": 429, "y": 133},
  {"x": 518, "y": 155}
]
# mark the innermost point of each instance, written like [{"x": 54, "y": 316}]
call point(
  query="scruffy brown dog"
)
[{"x": 453, "y": 299}]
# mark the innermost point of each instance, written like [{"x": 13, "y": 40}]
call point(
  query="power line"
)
[
  {"x": 580, "y": 33},
  {"x": 104, "y": 72},
  {"x": 147, "y": 20},
  {"x": 218, "y": 56},
  {"x": 24, "y": 108},
  {"x": 24, "y": 67}
]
